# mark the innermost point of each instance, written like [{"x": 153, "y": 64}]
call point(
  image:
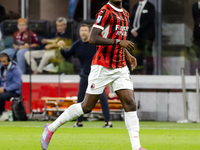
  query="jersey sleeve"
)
[{"x": 102, "y": 19}]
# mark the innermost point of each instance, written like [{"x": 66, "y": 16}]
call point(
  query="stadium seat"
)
[
  {"x": 8, "y": 28},
  {"x": 41, "y": 28}
]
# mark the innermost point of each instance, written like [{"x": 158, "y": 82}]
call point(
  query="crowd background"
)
[{"x": 174, "y": 46}]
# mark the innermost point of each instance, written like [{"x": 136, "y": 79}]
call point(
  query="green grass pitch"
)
[{"x": 153, "y": 136}]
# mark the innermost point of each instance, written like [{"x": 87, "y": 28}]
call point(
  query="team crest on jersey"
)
[
  {"x": 92, "y": 86},
  {"x": 99, "y": 19}
]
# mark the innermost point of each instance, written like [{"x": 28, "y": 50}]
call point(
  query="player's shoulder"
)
[
  {"x": 125, "y": 12},
  {"x": 105, "y": 7}
]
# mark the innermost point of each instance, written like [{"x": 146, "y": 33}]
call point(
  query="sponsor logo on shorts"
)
[{"x": 92, "y": 86}]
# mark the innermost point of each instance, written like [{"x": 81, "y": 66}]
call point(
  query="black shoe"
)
[
  {"x": 76, "y": 125},
  {"x": 107, "y": 125}
]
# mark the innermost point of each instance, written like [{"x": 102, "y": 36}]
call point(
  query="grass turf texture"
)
[{"x": 153, "y": 136}]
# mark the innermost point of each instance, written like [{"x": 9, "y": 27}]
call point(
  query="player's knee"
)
[
  {"x": 130, "y": 105},
  {"x": 87, "y": 108}
]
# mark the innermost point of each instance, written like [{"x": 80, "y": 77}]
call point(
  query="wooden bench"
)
[{"x": 54, "y": 106}]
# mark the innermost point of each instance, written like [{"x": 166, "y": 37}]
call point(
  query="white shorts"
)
[{"x": 100, "y": 77}]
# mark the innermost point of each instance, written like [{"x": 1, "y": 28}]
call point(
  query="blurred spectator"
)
[
  {"x": 1, "y": 41},
  {"x": 10, "y": 82},
  {"x": 2, "y": 17},
  {"x": 85, "y": 52},
  {"x": 51, "y": 47},
  {"x": 2, "y": 13},
  {"x": 142, "y": 27},
  {"x": 193, "y": 53},
  {"x": 196, "y": 29},
  {"x": 23, "y": 39}
]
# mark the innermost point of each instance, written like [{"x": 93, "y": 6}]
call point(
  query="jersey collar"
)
[{"x": 115, "y": 8}]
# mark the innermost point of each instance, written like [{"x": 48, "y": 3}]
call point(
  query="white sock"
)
[
  {"x": 132, "y": 125},
  {"x": 70, "y": 113}
]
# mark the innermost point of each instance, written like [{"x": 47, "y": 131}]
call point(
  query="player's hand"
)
[
  {"x": 127, "y": 44},
  {"x": 133, "y": 62},
  {"x": 61, "y": 44}
]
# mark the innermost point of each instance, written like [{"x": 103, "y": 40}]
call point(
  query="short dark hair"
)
[
  {"x": 85, "y": 25},
  {"x": 5, "y": 55}
]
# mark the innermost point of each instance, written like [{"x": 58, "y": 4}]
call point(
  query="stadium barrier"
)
[{"x": 158, "y": 98}]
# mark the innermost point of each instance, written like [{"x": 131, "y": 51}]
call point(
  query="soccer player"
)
[
  {"x": 85, "y": 52},
  {"x": 108, "y": 67}
]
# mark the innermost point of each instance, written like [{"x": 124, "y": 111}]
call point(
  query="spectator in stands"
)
[
  {"x": 142, "y": 27},
  {"x": 50, "y": 47},
  {"x": 193, "y": 53},
  {"x": 10, "y": 82},
  {"x": 23, "y": 40},
  {"x": 196, "y": 28},
  {"x": 2, "y": 13},
  {"x": 85, "y": 52},
  {"x": 1, "y": 41}
]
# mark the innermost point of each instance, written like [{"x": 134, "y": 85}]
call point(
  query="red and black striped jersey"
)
[{"x": 114, "y": 24}]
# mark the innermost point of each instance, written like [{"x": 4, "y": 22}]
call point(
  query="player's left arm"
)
[
  {"x": 131, "y": 59},
  {"x": 96, "y": 39}
]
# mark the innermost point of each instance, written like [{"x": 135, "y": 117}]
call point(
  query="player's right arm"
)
[
  {"x": 96, "y": 39},
  {"x": 102, "y": 21}
]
